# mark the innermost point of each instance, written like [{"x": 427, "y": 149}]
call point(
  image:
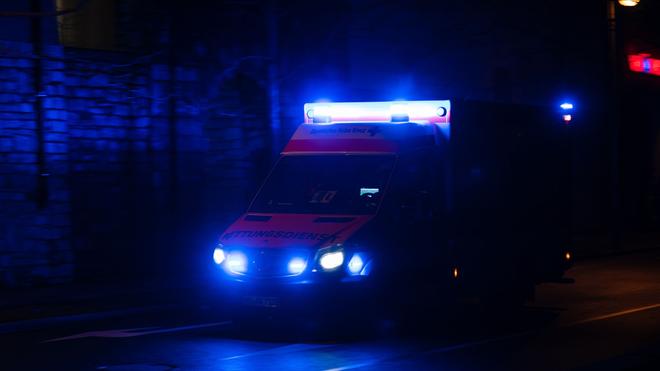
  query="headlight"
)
[
  {"x": 218, "y": 255},
  {"x": 237, "y": 262},
  {"x": 297, "y": 265},
  {"x": 355, "y": 265},
  {"x": 331, "y": 260}
]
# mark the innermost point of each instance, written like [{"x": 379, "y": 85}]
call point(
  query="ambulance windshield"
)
[{"x": 325, "y": 184}]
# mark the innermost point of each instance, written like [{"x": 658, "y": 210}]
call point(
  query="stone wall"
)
[
  {"x": 139, "y": 159},
  {"x": 35, "y": 241}
]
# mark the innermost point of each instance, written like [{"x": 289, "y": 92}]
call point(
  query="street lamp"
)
[{"x": 628, "y": 2}]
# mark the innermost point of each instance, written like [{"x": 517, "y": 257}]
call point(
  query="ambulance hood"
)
[{"x": 291, "y": 230}]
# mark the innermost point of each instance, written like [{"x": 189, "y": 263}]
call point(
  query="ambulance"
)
[{"x": 406, "y": 201}]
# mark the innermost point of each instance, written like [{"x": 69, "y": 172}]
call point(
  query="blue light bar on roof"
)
[
  {"x": 429, "y": 111},
  {"x": 399, "y": 113}
]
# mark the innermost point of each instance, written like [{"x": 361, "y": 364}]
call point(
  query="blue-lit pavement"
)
[{"x": 609, "y": 319}]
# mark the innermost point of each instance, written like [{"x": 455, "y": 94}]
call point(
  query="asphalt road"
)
[{"x": 609, "y": 319}]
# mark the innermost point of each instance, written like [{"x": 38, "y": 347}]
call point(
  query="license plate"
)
[{"x": 262, "y": 301}]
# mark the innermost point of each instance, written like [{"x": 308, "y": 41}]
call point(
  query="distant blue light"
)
[
  {"x": 297, "y": 265},
  {"x": 237, "y": 262},
  {"x": 355, "y": 265},
  {"x": 646, "y": 65},
  {"x": 566, "y": 106}
]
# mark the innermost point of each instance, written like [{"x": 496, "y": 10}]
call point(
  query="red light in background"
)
[
  {"x": 636, "y": 61},
  {"x": 655, "y": 67},
  {"x": 643, "y": 63}
]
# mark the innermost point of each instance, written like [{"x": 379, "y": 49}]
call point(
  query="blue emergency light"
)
[
  {"x": 399, "y": 113},
  {"x": 356, "y": 264},
  {"x": 567, "y": 108},
  {"x": 297, "y": 265},
  {"x": 237, "y": 262},
  {"x": 422, "y": 112}
]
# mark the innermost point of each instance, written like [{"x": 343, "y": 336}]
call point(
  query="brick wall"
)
[
  {"x": 35, "y": 242},
  {"x": 141, "y": 161}
]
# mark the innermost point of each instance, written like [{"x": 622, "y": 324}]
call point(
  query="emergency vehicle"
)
[{"x": 416, "y": 199}]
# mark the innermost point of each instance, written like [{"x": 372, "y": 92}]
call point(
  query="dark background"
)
[{"x": 133, "y": 132}]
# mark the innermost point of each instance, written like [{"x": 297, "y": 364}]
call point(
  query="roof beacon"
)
[{"x": 420, "y": 112}]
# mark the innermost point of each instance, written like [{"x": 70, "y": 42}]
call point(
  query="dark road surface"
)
[{"x": 609, "y": 319}]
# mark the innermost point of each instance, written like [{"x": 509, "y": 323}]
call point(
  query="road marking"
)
[
  {"x": 357, "y": 365},
  {"x": 446, "y": 349},
  {"x": 476, "y": 343},
  {"x": 368, "y": 362},
  {"x": 615, "y": 314},
  {"x": 280, "y": 350},
  {"x": 452, "y": 348},
  {"x": 132, "y": 332}
]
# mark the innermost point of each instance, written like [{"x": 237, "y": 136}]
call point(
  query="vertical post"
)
[
  {"x": 37, "y": 85},
  {"x": 613, "y": 116},
  {"x": 273, "y": 77},
  {"x": 171, "y": 119}
]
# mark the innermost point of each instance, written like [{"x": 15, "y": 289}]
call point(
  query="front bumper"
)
[
  {"x": 303, "y": 293},
  {"x": 264, "y": 277}
]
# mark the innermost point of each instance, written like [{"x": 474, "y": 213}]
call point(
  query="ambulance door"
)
[{"x": 415, "y": 209}]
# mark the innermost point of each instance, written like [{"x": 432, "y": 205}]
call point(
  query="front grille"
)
[{"x": 266, "y": 263}]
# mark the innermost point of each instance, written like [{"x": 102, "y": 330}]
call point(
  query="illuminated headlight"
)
[
  {"x": 218, "y": 255},
  {"x": 297, "y": 265},
  {"x": 237, "y": 262},
  {"x": 331, "y": 260},
  {"x": 355, "y": 265}
]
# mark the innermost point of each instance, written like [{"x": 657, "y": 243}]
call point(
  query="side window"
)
[{"x": 417, "y": 192}]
